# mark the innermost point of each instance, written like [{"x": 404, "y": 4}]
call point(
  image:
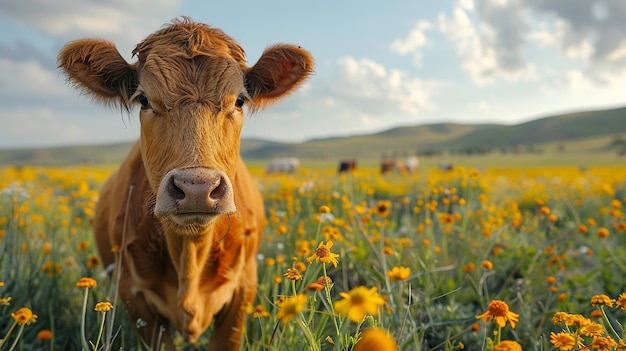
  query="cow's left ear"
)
[
  {"x": 280, "y": 70},
  {"x": 98, "y": 68}
]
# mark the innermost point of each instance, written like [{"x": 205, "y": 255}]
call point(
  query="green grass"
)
[{"x": 440, "y": 225}]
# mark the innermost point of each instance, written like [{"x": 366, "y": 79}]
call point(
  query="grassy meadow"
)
[{"x": 505, "y": 255}]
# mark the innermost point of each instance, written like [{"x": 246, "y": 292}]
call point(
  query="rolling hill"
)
[{"x": 606, "y": 127}]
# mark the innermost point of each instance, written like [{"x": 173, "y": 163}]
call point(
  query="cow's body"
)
[{"x": 182, "y": 219}]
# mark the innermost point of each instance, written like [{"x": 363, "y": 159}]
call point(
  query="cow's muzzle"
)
[{"x": 194, "y": 196}]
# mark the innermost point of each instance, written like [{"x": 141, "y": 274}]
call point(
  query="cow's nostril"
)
[
  {"x": 175, "y": 192},
  {"x": 220, "y": 190}
]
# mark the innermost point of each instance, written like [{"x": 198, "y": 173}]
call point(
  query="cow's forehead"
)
[
  {"x": 191, "y": 39},
  {"x": 206, "y": 79}
]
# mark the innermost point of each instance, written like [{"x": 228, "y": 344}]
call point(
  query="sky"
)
[{"x": 379, "y": 64}]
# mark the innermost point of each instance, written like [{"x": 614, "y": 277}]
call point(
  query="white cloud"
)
[
  {"x": 415, "y": 39},
  {"x": 115, "y": 20},
  {"x": 28, "y": 79},
  {"x": 373, "y": 87}
]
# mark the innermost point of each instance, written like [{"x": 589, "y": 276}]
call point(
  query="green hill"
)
[{"x": 587, "y": 131}]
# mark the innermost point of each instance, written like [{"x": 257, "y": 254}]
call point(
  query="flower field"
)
[{"x": 491, "y": 259}]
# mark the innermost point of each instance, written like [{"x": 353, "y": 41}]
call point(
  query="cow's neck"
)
[{"x": 189, "y": 255}]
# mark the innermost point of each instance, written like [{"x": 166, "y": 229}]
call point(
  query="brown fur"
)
[{"x": 173, "y": 273}]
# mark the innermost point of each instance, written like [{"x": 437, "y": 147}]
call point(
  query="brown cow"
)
[{"x": 182, "y": 208}]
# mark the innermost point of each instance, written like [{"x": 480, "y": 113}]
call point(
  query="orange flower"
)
[
  {"x": 44, "y": 334},
  {"x": 323, "y": 253},
  {"x": 86, "y": 283},
  {"x": 499, "y": 311},
  {"x": 375, "y": 339}
]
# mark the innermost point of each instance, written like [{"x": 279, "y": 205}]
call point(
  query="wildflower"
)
[
  {"x": 507, "y": 345},
  {"x": 44, "y": 334},
  {"x": 399, "y": 273},
  {"x": 324, "y": 280},
  {"x": 592, "y": 330},
  {"x": 83, "y": 245},
  {"x": 383, "y": 207},
  {"x": 603, "y": 343},
  {"x": 103, "y": 306},
  {"x": 315, "y": 287},
  {"x": 603, "y": 232},
  {"x": 86, "y": 283},
  {"x": 469, "y": 268},
  {"x": 259, "y": 311},
  {"x": 375, "y": 339},
  {"x": 562, "y": 341},
  {"x": 24, "y": 316},
  {"x": 291, "y": 306},
  {"x": 322, "y": 253},
  {"x": 545, "y": 210},
  {"x": 324, "y": 209},
  {"x": 621, "y": 301},
  {"x": 487, "y": 265},
  {"x": 601, "y": 300},
  {"x": 358, "y": 302},
  {"x": 596, "y": 314},
  {"x": 5, "y": 300},
  {"x": 293, "y": 274},
  {"x": 93, "y": 261},
  {"x": 300, "y": 266},
  {"x": 499, "y": 311}
]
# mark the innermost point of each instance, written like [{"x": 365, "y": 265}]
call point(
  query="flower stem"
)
[
  {"x": 329, "y": 299},
  {"x": 19, "y": 333},
  {"x": 104, "y": 315},
  {"x": 6, "y": 337},
  {"x": 83, "y": 339}
]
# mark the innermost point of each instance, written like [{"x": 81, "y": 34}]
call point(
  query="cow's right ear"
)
[{"x": 99, "y": 70}]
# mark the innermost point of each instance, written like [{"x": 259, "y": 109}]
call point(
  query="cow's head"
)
[{"x": 191, "y": 82}]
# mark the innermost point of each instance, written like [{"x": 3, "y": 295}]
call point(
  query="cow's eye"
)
[
  {"x": 143, "y": 100},
  {"x": 240, "y": 101}
]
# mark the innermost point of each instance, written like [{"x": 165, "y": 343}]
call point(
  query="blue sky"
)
[{"x": 378, "y": 65}]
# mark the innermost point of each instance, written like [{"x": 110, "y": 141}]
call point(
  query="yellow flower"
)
[
  {"x": 601, "y": 300},
  {"x": 5, "y": 300},
  {"x": 621, "y": 301},
  {"x": 592, "y": 330},
  {"x": 563, "y": 341},
  {"x": 291, "y": 306},
  {"x": 324, "y": 209},
  {"x": 499, "y": 311},
  {"x": 487, "y": 265},
  {"x": 86, "y": 283},
  {"x": 293, "y": 274},
  {"x": 383, "y": 207},
  {"x": 399, "y": 273},
  {"x": 507, "y": 345},
  {"x": 375, "y": 339},
  {"x": 103, "y": 306},
  {"x": 322, "y": 253},
  {"x": 92, "y": 261},
  {"x": 603, "y": 343},
  {"x": 358, "y": 302},
  {"x": 24, "y": 316}
]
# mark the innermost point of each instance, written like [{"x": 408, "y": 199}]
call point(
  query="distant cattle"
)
[
  {"x": 409, "y": 165},
  {"x": 347, "y": 166},
  {"x": 387, "y": 166},
  {"x": 181, "y": 218},
  {"x": 283, "y": 165}
]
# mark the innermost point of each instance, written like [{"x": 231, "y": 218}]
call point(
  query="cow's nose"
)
[{"x": 195, "y": 191}]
